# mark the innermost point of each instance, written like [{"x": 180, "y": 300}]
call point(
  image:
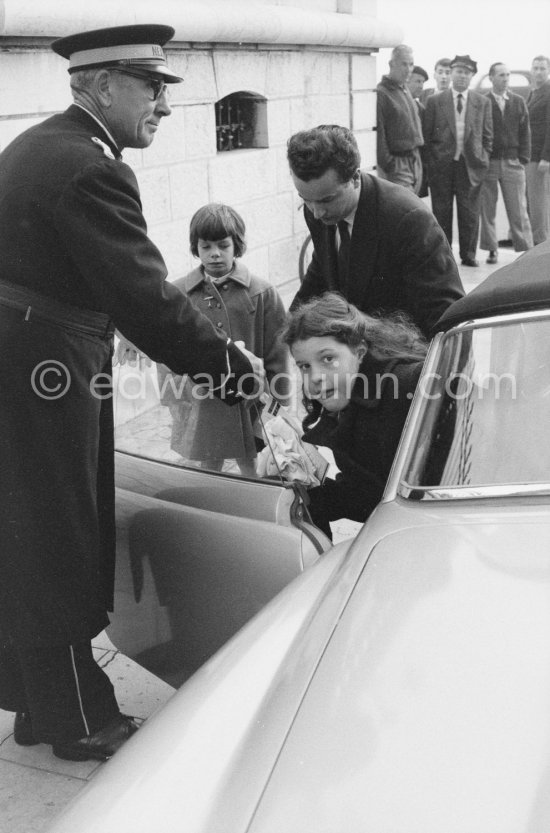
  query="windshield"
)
[{"x": 486, "y": 409}]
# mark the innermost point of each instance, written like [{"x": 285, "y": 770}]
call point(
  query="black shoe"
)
[
  {"x": 22, "y": 730},
  {"x": 493, "y": 257},
  {"x": 102, "y": 745},
  {"x": 470, "y": 261}
]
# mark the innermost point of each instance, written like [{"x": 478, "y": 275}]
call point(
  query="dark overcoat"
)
[
  {"x": 363, "y": 438},
  {"x": 73, "y": 233},
  {"x": 399, "y": 258},
  {"x": 247, "y": 308},
  {"x": 439, "y": 125}
]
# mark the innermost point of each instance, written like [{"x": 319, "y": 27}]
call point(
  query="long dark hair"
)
[
  {"x": 390, "y": 337},
  {"x": 386, "y": 338}
]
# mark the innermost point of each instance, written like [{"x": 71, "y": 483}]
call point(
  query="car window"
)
[
  {"x": 167, "y": 418},
  {"x": 486, "y": 410}
]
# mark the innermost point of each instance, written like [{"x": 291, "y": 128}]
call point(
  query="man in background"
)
[
  {"x": 442, "y": 78},
  {"x": 398, "y": 128},
  {"x": 416, "y": 82},
  {"x": 511, "y": 152},
  {"x": 538, "y": 169},
  {"x": 458, "y": 135}
]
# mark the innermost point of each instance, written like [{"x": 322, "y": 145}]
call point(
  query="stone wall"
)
[{"x": 303, "y": 85}]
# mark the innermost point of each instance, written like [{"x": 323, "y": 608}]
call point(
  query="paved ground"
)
[{"x": 34, "y": 785}]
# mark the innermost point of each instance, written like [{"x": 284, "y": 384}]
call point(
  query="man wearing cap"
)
[
  {"x": 416, "y": 82},
  {"x": 77, "y": 261},
  {"x": 458, "y": 135},
  {"x": 398, "y": 128}
]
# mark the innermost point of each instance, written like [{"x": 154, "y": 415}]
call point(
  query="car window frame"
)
[{"x": 397, "y": 486}]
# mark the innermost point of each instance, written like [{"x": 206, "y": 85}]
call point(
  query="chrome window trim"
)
[
  {"x": 396, "y": 485},
  {"x": 472, "y": 492}
]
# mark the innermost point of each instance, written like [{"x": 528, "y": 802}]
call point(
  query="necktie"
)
[
  {"x": 343, "y": 253},
  {"x": 459, "y": 103}
]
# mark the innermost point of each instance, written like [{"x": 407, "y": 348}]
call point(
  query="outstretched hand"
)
[{"x": 257, "y": 368}]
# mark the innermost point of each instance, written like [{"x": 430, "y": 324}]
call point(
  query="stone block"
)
[
  {"x": 268, "y": 219},
  {"x": 240, "y": 175},
  {"x": 200, "y": 131},
  {"x": 363, "y": 72},
  {"x": 188, "y": 188},
  {"x": 285, "y": 74},
  {"x": 278, "y": 121},
  {"x": 326, "y": 71},
  {"x": 240, "y": 70},
  {"x": 363, "y": 110},
  {"x": 283, "y": 262},
  {"x": 257, "y": 259},
  {"x": 173, "y": 242},
  {"x": 321, "y": 109},
  {"x": 367, "y": 147},
  {"x": 154, "y": 186},
  {"x": 36, "y": 82},
  {"x": 197, "y": 69},
  {"x": 284, "y": 180}
]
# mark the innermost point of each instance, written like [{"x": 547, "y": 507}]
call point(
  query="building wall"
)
[{"x": 304, "y": 85}]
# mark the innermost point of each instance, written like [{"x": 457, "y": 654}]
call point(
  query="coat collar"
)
[
  {"x": 391, "y": 84},
  {"x": 82, "y": 117},
  {"x": 239, "y": 275},
  {"x": 373, "y": 379}
]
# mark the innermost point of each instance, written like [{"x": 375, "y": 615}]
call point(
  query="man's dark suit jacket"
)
[
  {"x": 439, "y": 125},
  {"x": 399, "y": 258}
]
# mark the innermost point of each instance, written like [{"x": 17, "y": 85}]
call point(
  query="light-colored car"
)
[{"x": 401, "y": 683}]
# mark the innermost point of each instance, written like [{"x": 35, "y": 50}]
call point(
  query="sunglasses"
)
[{"x": 158, "y": 85}]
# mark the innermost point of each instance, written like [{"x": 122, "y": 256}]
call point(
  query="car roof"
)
[{"x": 522, "y": 286}]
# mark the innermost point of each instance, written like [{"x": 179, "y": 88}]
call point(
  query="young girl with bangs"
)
[
  {"x": 244, "y": 307},
  {"x": 359, "y": 374}
]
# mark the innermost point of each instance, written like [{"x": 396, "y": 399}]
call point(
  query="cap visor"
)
[{"x": 159, "y": 69}]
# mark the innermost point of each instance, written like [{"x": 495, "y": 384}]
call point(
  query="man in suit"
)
[
  {"x": 538, "y": 169},
  {"x": 511, "y": 152},
  {"x": 458, "y": 138},
  {"x": 375, "y": 242},
  {"x": 77, "y": 261},
  {"x": 398, "y": 129}
]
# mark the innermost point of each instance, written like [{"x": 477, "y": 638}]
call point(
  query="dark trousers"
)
[
  {"x": 448, "y": 184},
  {"x": 63, "y": 688}
]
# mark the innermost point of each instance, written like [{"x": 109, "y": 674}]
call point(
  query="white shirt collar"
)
[
  {"x": 456, "y": 93},
  {"x": 99, "y": 122}
]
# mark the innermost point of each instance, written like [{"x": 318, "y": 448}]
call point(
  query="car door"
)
[{"x": 199, "y": 552}]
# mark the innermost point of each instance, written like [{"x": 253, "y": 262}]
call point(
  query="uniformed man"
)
[{"x": 77, "y": 261}]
